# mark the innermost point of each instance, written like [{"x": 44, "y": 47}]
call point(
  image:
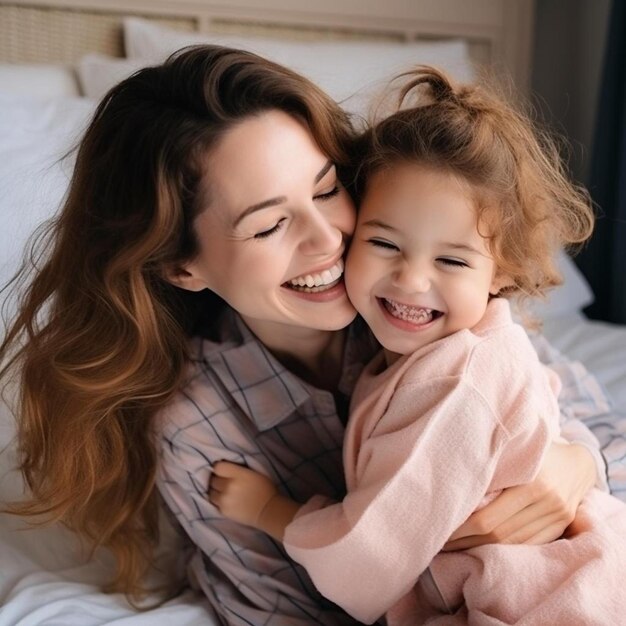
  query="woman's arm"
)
[
  {"x": 537, "y": 512},
  {"x": 540, "y": 511}
]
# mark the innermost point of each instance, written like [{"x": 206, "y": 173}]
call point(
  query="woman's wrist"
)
[
  {"x": 599, "y": 467},
  {"x": 592, "y": 467}
]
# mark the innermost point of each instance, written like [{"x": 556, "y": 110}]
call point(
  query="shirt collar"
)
[{"x": 261, "y": 386}]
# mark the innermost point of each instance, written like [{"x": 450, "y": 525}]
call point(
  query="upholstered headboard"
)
[{"x": 498, "y": 32}]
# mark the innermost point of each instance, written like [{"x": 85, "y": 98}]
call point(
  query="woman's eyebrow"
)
[
  {"x": 324, "y": 171},
  {"x": 257, "y": 207},
  {"x": 279, "y": 199}
]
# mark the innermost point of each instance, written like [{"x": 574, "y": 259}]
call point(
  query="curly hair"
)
[
  {"x": 99, "y": 343},
  {"x": 524, "y": 199}
]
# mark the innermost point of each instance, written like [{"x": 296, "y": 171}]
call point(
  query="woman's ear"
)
[
  {"x": 185, "y": 276},
  {"x": 499, "y": 282}
]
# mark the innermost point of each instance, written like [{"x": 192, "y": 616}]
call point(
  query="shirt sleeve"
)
[
  {"x": 585, "y": 410},
  {"x": 246, "y": 575},
  {"x": 424, "y": 469}
]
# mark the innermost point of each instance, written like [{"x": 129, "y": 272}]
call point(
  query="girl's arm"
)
[
  {"x": 250, "y": 498},
  {"x": 417, "y": 480}
]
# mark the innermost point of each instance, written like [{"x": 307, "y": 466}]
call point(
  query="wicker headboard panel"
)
[{"x": 61, "y": 31}]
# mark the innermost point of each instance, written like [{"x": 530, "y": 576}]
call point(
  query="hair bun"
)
[{"x": 441, "y": 88}]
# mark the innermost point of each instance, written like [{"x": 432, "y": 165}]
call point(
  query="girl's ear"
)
[
  {"x": 185, "y": 276},
  {"x": 499, "y": 282}
]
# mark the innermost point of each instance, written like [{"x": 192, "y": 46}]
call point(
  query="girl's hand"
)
[
  {"x": 239, "y": 493},
  {"x": 538, "y": 512}
]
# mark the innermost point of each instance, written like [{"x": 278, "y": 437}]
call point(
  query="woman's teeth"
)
[
  {"x": 415, "y": 315},
  {"x": 319, "y": 281}
]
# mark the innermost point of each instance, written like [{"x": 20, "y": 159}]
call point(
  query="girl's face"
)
[
  {"x": 418, "y": 269},
  {"x": 273, "y": 232}
]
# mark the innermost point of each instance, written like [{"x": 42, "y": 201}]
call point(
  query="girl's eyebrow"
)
[
  {"x": 278, "y": 199},
  {"x": 463, "y": 246},
  {"x": 376, "y": 223}
]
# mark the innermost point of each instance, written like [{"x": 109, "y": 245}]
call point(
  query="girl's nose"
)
[{"x": 412, "y": 278}]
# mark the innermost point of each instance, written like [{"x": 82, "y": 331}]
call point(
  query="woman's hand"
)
[
  {"x": 538, "y": 512},
  {"x": 240, "y": 493}
]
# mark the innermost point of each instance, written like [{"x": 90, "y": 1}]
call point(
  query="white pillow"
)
[
  {"x": 44, "y": 81},
  {"x": 98, "y": 73},
  {"x": 350, "y": 72},
  {"x": 571, "y": 297},
  {"x": 34, "y": 135}
]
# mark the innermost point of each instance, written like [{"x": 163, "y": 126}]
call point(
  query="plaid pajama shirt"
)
[{"x": 240, "y": 404}]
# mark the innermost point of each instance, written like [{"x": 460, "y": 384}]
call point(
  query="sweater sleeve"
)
[{"x": 424, "y": 469}]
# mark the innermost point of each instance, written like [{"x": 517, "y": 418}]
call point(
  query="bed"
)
[{"x": 57, "y": 57}]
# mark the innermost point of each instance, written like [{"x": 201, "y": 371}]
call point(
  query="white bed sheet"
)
[
  {"x": 600, "y": 346},
  {"x": 45, "y": 578}
]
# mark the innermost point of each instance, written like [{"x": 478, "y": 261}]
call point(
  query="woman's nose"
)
[{"x": 319, "y": 235}]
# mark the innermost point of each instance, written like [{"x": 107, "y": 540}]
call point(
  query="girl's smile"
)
[{"x": 409, "y": 317}]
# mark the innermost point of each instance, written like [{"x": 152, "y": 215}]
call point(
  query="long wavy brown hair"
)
[
  {"x": 99, "y": 342},
  {"x": 522, "y": 191}
]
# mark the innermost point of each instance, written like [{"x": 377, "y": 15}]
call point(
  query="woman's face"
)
[{"x": 274, "y": 227}]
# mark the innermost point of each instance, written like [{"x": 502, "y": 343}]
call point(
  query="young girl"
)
[{"x": 461, "y": 205}]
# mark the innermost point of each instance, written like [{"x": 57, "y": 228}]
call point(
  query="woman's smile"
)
[{"x": 318, "y": 280}]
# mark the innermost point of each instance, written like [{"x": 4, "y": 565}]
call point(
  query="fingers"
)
[
  {"x": 227, "y": 469},
  {"x": 507, "y": 505},
  {"x": 222, "y": 473},
  {"x": 526, "y": 527},
  {"x": 542, "y": 530},
  {"x": 218, "y": 483},
  {"x": 526, "y": 514}
]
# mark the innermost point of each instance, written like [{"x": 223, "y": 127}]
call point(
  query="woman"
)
[
  {"x": 456, "y": 406},
  {"x": 210, "y": 180}
]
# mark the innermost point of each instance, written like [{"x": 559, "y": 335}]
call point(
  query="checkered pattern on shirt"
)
[
  {"x": 241, "y": 405},
  {"x": 589, "y": 417}
]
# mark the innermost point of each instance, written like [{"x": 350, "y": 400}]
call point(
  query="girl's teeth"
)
[
  {"x": 416, "y": 315},
  {"x": 326, "y": 277}
]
